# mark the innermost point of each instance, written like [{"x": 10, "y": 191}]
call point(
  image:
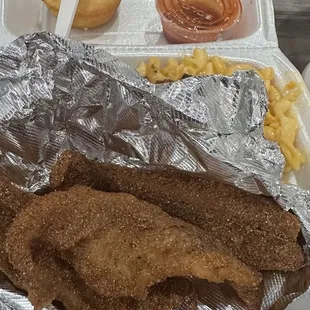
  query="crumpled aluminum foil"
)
[{"x": 57, "y": 94}]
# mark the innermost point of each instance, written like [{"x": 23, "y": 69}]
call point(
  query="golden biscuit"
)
[{"x": 90, "y": 13}]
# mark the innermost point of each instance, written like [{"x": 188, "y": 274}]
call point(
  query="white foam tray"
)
[
  {"x": 136, "y": 24},
  {"x": 136, "y": 34}
]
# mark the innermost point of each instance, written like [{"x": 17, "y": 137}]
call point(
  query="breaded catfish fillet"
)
[
  {"x": 253, "y": 227},
  {"x": 119, "y": 245},
  {"x": 73, "y": 292},
  {"x": 55, "y": 280},
  {"x": 12, "y": 201}
]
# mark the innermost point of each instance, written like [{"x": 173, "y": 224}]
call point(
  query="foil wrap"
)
[{"x": 58, "y": 94}]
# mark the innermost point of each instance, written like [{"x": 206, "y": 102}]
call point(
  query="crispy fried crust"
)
[
  {"x": 55, "y": 279},
  {"x": 119, "y": 245},
  {"x": 12, "y": 201},
  {"x": 74, "y": 293},
  {"x": 254, "y": 228}
]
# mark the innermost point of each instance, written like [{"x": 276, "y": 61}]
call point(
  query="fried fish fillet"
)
[
  {"x": 56, "y": 280},
  {"x": 12, "y": 201},
  {"x": 253, "y": 227},
  {"x": 74, "y": 293},
  {"x": 119, "y": 245}
]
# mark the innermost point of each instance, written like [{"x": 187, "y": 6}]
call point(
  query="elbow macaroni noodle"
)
[{"x": 280, "y": 125}]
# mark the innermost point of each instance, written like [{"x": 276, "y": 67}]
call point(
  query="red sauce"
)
[{"x": 189, "y": 21}]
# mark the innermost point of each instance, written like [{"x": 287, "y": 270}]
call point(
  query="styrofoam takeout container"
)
[
  {"x": 306, "y": 75},
  {"x": 136, "y": 34},
  {"x": 136, "y": 23}
]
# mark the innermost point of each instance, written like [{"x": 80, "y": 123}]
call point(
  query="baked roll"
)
[{"x": 90, "y": 13}]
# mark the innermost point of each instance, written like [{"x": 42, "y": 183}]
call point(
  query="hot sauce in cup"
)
[{"x": 196, "y": 21}]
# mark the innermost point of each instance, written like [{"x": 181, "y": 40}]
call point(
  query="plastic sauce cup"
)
[{"x": 196, "y": 21}]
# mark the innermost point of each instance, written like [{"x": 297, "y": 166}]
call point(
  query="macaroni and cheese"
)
[{"x": 280, "y": 125}]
